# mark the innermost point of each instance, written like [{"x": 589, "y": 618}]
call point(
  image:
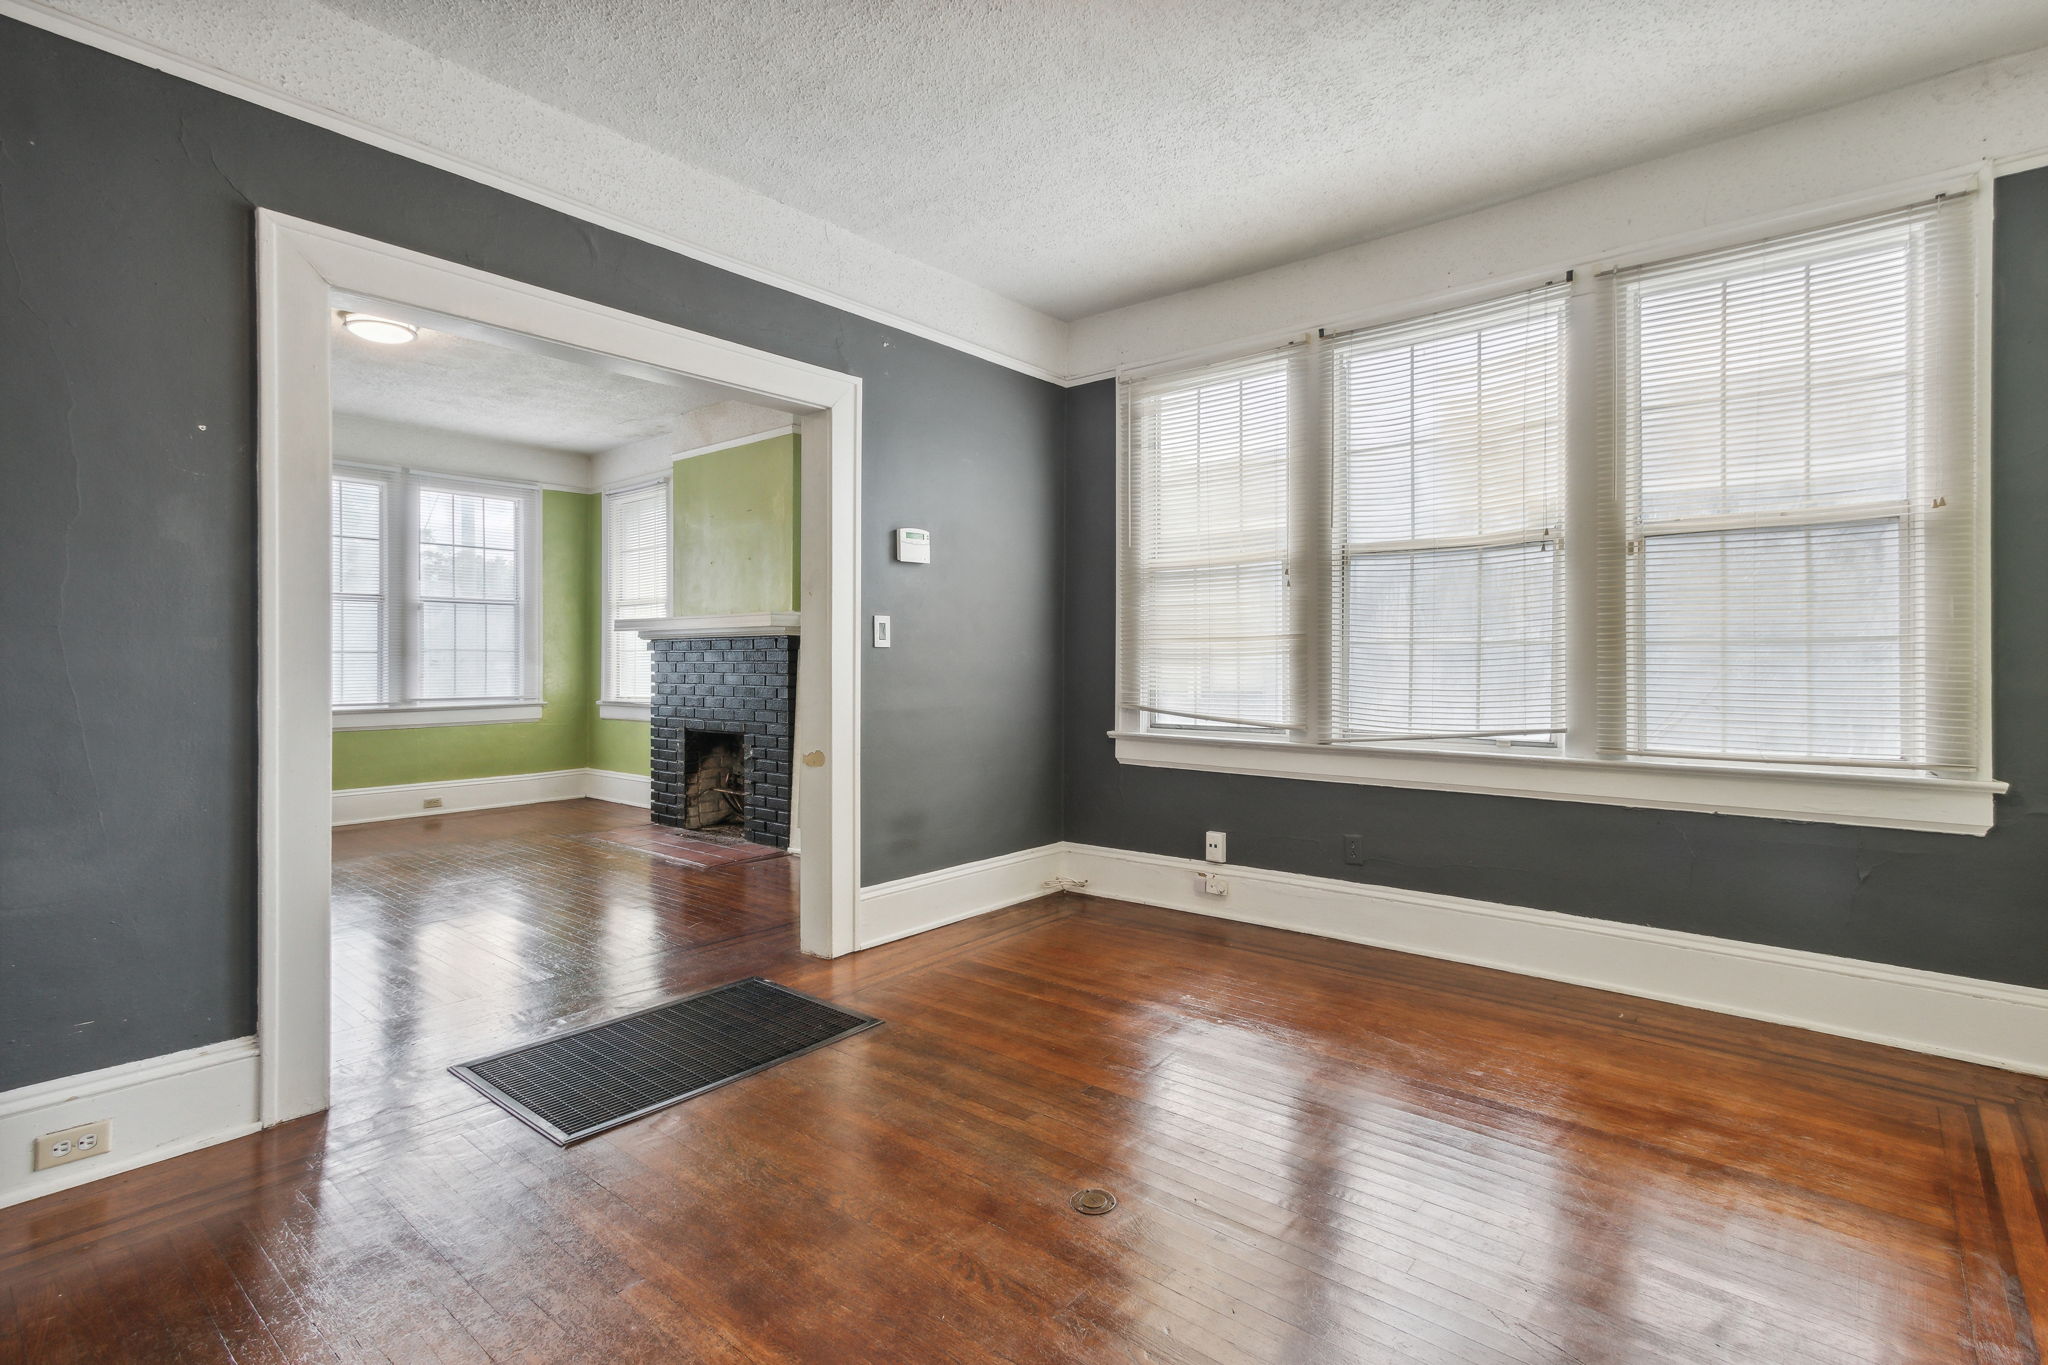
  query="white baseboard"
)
[
  {"x": 165, "y": 1106},
  {"x": 362, "y": 805},
  {"x": 911, "y": 905},
  {"x": 156, "y": 1108},
  {"x": 1949, "y": 1016},
  {"x": 627, "y": 789}
]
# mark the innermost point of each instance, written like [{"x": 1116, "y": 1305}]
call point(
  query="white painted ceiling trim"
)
[
  {"x": 360, "y": 439},
  {"x": 1994, "y": 112},
  {"x": 565, "y": 163}
]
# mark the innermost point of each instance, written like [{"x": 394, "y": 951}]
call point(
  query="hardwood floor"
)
[{"x": 1322, "y": 1152}]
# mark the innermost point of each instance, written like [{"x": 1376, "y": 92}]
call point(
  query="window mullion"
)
[
  {"x": 405, "y": 583},
  {"x": 1591, "y": 551},
  {"x": 1312, "y": 554}
]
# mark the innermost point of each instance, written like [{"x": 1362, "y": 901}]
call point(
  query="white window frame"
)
[
  {"x": 611, "y": 706},
  {"x": 1575, "y": 770},
  {"x": 402, "y": 711}
]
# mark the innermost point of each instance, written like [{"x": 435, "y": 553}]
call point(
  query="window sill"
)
[
  {"x": 1882, "y": 800},
  {"x": 624, "y": 710},
  {"x": 452, "y": 713}
]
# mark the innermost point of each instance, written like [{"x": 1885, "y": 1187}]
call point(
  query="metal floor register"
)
[{"x": 578, "y": 1084}]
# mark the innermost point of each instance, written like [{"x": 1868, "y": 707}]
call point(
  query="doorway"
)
[{"x": 306, "y": 273}]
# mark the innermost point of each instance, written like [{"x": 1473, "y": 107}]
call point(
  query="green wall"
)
[
  {"x": 734, "y": 514},
  {"x": 734, "y": 517},
  {"x": 569, "y": 682},
  {"x": 620, "y": 746}
]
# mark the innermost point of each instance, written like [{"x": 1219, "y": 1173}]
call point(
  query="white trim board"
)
[
  {"x": 406, "y": 800},
  {"x": 657, "y": 199},
  {"x": 910, "y": 905},
  {"x": 188, "y": 1100},
  {"x": 1949, "y": 1016},
  {"x": 1873, "y": 798},
  {"x": 622, "y": 789},
  {"x": 156, "y": 1108},
  {"x": 302, "y": 269}
]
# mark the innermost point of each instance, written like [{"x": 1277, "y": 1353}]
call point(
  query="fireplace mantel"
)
[{"x": 710, "y": 627}]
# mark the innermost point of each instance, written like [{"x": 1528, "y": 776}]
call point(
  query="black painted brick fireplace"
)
[{"x": 727, "y": 685}]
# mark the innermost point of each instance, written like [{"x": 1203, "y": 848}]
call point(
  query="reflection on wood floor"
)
[{"x": 1322, "y": 1152}]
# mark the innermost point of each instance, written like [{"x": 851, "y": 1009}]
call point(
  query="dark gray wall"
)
[
  {"x": 127, "y": 533},
  {"x": 1949, "y": 903}
]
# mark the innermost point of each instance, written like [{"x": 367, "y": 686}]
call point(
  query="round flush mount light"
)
[{"x": 383, "y": 331}]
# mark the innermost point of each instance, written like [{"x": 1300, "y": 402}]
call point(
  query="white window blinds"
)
[
  {"x": 1793, "y": 446},
  {"x": 434, "y": 589},
  {"x": 1209, "y": 629},
  {"x": 360, "y": 626},
  {"x": 471, "y": 581},
  {"x": 636, "y": 584},
  {"x": 1720, "y": 508},
  {"x": 1446, "y": 447}
]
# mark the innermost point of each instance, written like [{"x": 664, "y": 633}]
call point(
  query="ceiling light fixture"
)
[{"x": 383, "y": 331}]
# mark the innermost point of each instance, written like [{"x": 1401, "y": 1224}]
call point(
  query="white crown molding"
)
[
  {"x": 736, "y": 441},
  {"x": 1996, "y": 110},
  {"x": 708, "y": 218},
  {"x": 381, "y": 443}
]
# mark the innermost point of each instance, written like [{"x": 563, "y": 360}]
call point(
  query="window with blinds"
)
[
  {"x": 433, "y": 589},
  {"x": 1793, "y": 441},
  {"x": 1447, "y": 498},
  {"x": 636, "y": 575},
  {"x": 1721, "y": 509},
  {"x": 360, "y": 653},
  {"x": 470, "y": 639},
  {"x": 1208, "y": 617}
]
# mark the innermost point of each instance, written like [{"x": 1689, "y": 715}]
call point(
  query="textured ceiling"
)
[
  {"x": 1077, "y": 155},
  {"x": 457, "y": 383}
]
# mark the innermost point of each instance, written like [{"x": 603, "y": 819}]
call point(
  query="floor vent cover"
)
[{"x": 578, "y": 1084}]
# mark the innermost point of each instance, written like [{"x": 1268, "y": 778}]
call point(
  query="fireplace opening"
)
[{"x": 714, "y": 781}]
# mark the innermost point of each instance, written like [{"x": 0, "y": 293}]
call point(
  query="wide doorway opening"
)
[{"x": 501, "y": 604}]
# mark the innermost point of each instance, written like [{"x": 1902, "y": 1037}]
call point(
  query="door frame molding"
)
[{"x": 304, "y": 272}]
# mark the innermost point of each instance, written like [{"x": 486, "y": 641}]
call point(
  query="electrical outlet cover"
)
[{"x": 72, "y": 1144}]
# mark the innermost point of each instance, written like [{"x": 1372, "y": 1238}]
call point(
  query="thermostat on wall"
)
[{"x": 913, "y": 546}]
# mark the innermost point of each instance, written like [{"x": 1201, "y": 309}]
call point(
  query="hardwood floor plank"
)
[{"x": 1323, "y": 1152}]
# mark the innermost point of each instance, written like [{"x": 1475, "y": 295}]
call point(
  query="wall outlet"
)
[
  {"x": 431, "y": 803},
  {"x": 1354, "y": 849},
  {"x": 72, "y": 1144},
  {"x": 1213, "y": 845},
  {"x": 1213, "y": 884}
]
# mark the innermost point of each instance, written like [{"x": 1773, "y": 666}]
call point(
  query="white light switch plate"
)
[{"x": 881, "y": 632}]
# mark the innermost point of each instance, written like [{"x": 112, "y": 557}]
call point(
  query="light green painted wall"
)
[
  {"x": 735, "y": 518},
  {"x": 620, "y": 746},
  {"x": 736, "y": 549},
  {"x": 562, "y": 738}
]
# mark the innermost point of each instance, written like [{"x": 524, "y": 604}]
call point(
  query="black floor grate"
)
[{"x": 572, "y": 1086}]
